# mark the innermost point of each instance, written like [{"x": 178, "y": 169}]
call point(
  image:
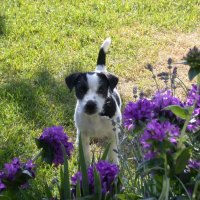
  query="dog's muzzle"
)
[{"x": 90, "y": 107}]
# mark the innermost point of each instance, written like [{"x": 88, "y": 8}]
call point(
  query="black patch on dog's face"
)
[
  {"x": 113, "y": 80},
  {"x": 71, "y": 80},
  {"x": 79, "y": 81},
  {"x": 103, "y": 85},
  {"x": 109, "y": 108},
  {"x": 81, "y": 86},
  {"x": 107, "y": 80}
]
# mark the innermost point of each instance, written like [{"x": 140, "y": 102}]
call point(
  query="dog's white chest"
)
[{"x": 94, "y": 125}]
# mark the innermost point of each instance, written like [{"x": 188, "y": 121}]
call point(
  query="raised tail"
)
[{"x": 101, "y": 60}]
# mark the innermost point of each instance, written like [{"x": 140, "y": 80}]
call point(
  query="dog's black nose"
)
[{"x": 90, "y": 107}]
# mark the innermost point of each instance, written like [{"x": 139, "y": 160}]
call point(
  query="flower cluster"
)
[
  {"x": 145, "y": 110},
  {"x": 50, "y": 141},
  {"x": 161, "y": 100},
  {"x": 193, "y": 57},
  {"x": 151, "y": 112},
  {"x": 142, "y": 110},
  {"x": 157, "y": 132},
  {"x": 77, "y": 178},
  {"x": 194, "y": 98},
  {"x": 16, "y": 174},
  {"x": 108, "y": 174}
]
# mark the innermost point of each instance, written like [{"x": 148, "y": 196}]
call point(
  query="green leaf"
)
[
  {"x": 121, "y": 196},
  {"x": 128, "y": 196},
  {"x": 88, "y": 197},
  {"x": 61, "y": 191},
  {"x": 65, "y": 185},
  {"x": 165, "y": 188},
  {"x": 10, "y": 194},
  {"x": 97, "y": 185},
  {"x": 105, "y": 153},
  {"x": 3, "y": 197},
  {"x": 47, "y": 151},
  {"x": 182, "y": 184},
  {"x": 38, "y": 144},
  {"x": 182, "y": 160},
  {"x": 78, "y": 189},
  {"x": 25, "y": 195},
  {"x": 47, "y": 191},
  {"x": 147, "y": 165},
  {"x": 83, "y": 169},
  {"x": 193, "y": 72},
  {"x": 179, "y": 111}
]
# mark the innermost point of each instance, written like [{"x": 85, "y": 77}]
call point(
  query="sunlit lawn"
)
[{"x": 43, "y": 41}]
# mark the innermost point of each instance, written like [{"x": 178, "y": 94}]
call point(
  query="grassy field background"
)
[{"x": 42, "y": 41}]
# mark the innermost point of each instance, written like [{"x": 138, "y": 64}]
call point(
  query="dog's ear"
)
[
  {"x": 112, "y": 79},
  {"x": 71, "y": 80}
]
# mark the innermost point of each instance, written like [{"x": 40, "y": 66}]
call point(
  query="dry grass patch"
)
[{"x": 165, "y": 45}]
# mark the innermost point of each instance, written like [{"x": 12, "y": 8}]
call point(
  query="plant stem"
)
[
  {"x": 170, "y": 78},
  {"x": 166, "y": 183},
  {"x": 155, "y": 79},
  {"x": 37, "y": 156},
  {"x": 183, "y": 130},
  {"x": 183, "y": 187},
  {"x": 183, "y": 85},
  {"x": 195, "y": 189}
]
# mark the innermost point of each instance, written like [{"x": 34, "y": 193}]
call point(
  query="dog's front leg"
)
[{"x": 114, "y": 145}]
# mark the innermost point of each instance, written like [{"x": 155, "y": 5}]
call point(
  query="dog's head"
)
[{"x": 92, "y": 89}]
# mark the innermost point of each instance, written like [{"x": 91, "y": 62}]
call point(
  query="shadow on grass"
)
[
  {"x": 2, "y": 26},
  {"x": 30, "y": 105},
  {"x": 42, "y": 100}
]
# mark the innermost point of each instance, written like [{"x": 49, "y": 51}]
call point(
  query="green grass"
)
[{"x": 43, "y": 41}]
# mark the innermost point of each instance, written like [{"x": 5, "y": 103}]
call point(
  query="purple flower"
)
[
  {"x": 145, "y": 110},
  {"x": 76, "y": 178},
  {"x": 142, "y": 110},
  {"x": 163, "y": 99},
  {"x": 150, "y": 155},
  {"x": 158, "y": 132},
  {"x": 11, "y": 169},
  {"x": 194, "y": 97},
  {"x": 108, "y": 174},
  {"x": 194, "y": 164},
  {"x": 29, "y": 165},
  {"x": 2, "y": 186},
  {"x": 194, "y": 123},
  {"x": 16, "y": 174},
  {"x": 53, "y": 137}
]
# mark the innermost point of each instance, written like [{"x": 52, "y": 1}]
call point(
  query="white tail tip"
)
[{"x": 106, "y": 44}]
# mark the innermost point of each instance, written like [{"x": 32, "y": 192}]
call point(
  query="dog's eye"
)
[
  {"x": 82, "y": 89},
  {"x": 101, "y": 89}
]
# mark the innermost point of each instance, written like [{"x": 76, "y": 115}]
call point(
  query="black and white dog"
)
[{"x": 98, "y": 105}]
